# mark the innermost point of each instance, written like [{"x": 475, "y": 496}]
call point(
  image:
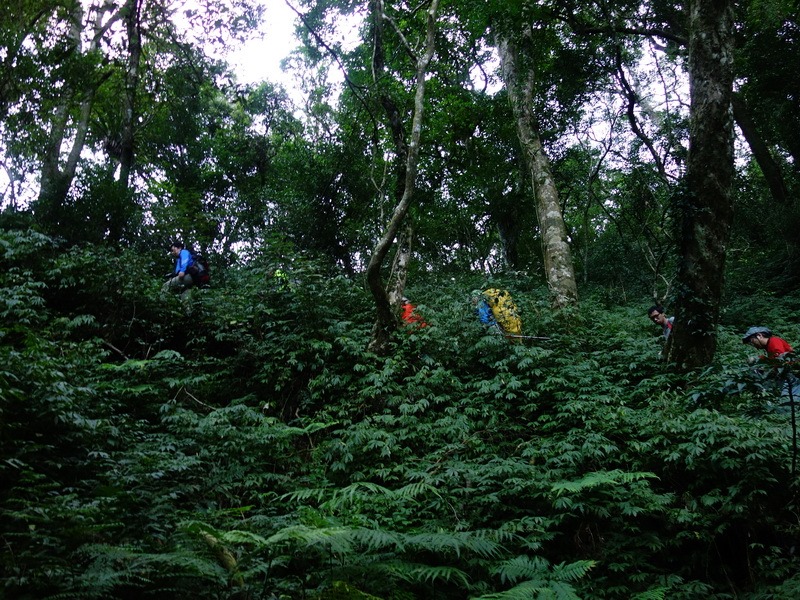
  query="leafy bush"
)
[{"x": 246, "y": 444}]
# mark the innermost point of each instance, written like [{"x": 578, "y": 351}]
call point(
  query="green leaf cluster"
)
[{"x": 252, "y": 446}]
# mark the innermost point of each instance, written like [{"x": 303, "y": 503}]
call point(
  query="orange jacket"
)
[{"x": 410, "y": 317}]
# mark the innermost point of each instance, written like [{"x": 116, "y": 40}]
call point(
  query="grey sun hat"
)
[{"x": 754, "y": 330}]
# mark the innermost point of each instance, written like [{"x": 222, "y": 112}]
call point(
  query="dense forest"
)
[{"x": 282, "y": 432}]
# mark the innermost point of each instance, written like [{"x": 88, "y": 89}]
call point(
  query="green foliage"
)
[
  {"x": 256, "y": 448},
  {"x": 241, "y": 442},
  {"x": 540, "y": 578}
]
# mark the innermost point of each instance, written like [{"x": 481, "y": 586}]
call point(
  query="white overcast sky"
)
[{"x": 259, "y": 59}]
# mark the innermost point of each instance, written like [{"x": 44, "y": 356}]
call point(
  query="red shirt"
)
[{"x": 777, "y": 346}]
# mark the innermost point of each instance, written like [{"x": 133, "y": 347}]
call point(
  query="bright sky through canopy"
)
[{"x": 259, "y": 59}]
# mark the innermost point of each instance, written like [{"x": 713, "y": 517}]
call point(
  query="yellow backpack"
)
[{"x": 504, "y": 311}]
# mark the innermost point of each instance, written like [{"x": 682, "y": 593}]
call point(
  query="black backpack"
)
[{"x": 201, "y": 275}]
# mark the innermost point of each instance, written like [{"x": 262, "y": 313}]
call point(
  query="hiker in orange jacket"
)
[{"x": 409, "y": 314}]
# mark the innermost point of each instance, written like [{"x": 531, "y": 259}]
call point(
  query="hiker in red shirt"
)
[
  {"x": 775, "y": 348},
  {"x": 762, "y": 338}
]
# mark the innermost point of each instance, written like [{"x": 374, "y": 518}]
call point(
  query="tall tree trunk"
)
[
  {"x": 55, "y": 179},
  {"x": 505, "y": 214},
  {"x": 386, "y": 321},
  {"x": 132, "y": 17},
  {"x": 769, "y": 168},
  {"x": 706, "y": 210},
  {"x": 399, "y": 272},
  {"x": 519, "y": 79},
  {"x": 121, "y": 149},
  {"x": 509, "y": 230}
]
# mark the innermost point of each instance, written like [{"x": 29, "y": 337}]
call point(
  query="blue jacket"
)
[{"x": 184, "y": 261}]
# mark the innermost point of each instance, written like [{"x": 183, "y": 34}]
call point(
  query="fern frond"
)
[
  {"x": 237, "y": 536},
  {"x": 659, "y": 593},
  {"x": 538, "y": 569},
  {"x": 378, "y": 539},
  {"x": 339, "y": 539},
  {"x": 562, "y": 591},
  {"x": 524, "y": 591},
  {"x": 316, "y": 494},
  {"x": 572, "y": 571},
  {"x": 112, "y": 567},
  {"x": 414, "y": 490},
  {"x": 418, "y": 573},
  {"x": 522, "y": 567},
  {"x": 360, "y": 490},
  {"x": 600, "y": 478},
  {"x": 435, "y": 542},
  {"x": 181, "y": 564},
  {"x": 456, "y": 543},
  {"x": 542, "y": 590},
  {"x": 480, "y": 543},
  {"x": 72, "y": 595}
]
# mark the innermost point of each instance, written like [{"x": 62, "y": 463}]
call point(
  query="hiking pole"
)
[
  {"x": 794, "y": 425},
  {"x": 500, "y": 331}
]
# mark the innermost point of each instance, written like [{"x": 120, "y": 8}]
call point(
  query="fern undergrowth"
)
[{"x": 255, "y": 449}]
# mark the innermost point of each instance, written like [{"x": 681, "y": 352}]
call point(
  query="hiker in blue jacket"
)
[{"x": 181, "y": 279}]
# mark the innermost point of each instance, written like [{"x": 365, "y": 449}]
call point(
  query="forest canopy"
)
[{"x": 282, "y": 432}]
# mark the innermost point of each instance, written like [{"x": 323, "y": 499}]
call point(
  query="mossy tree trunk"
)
[
  {"x": 519, "y": 78},
  {"x": 706, "y": 207}
]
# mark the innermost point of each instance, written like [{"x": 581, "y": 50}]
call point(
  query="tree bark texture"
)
[
  {"x": 399, "y": 272},
  {"x": 386, "y": 321},
  {"x": 706, "y": 209},
  {"x": 518, "y": 76}
]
